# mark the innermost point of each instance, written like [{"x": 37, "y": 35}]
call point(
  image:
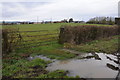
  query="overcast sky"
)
[{"x": 57, "y": 9}]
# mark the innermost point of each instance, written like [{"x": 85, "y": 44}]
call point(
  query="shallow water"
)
[{"x": 88, "y": 68}]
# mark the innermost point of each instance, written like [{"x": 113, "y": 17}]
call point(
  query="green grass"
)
[
  {"x": 22, "y": 66},
  {"x": 51, "y": 51},
  {"x": 0, "y": 26},
  {"x": 106, "y": 45},
  {"x": 34, "y": 27},
  {"x": 54, "y": 26},
  {"x": 56, "y": 74}
]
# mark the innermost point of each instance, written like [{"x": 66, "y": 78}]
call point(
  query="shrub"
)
[{"x": 86, "y": 33}]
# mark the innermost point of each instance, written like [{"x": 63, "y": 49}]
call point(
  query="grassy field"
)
[
  {"x": 16, "y": 65},
  {"x": 54, "y": 26}
]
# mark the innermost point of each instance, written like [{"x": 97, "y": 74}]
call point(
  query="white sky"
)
[{"x": 57, "y": 9}]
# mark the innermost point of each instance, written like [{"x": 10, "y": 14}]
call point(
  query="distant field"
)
[{"x": 50, "y": 26}]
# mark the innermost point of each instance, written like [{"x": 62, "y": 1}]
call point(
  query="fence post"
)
[
  {"x": 61, "y": 35},
  {"x": 117, "y": 21},
  {"x": 5, "y": 41}
]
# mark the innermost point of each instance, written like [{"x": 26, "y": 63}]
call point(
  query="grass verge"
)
[{"x": 105, "y": 45}]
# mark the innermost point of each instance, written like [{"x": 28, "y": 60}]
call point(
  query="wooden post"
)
[
  {"x": 117, "y": 21},
  {"x": 5, "y": 41},
  {"x": 61, "y": 35}
]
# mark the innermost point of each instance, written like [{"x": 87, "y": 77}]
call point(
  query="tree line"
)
[{"x": 102, "y": 20}]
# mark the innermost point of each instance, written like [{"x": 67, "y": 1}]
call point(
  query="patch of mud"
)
[
  {"x": 72, "y": 51},
  {"x": 37, "y": 70},
  {"x": 112, "y": 66},
  {"x": 34, "y": 72}
]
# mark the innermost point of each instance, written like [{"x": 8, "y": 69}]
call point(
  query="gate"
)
[{"x": 14, "y": 39}]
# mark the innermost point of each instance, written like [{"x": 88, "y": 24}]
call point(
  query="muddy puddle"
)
[
  {"x": 89, "y": 65},
  {"x": 97, "y": 65}
]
